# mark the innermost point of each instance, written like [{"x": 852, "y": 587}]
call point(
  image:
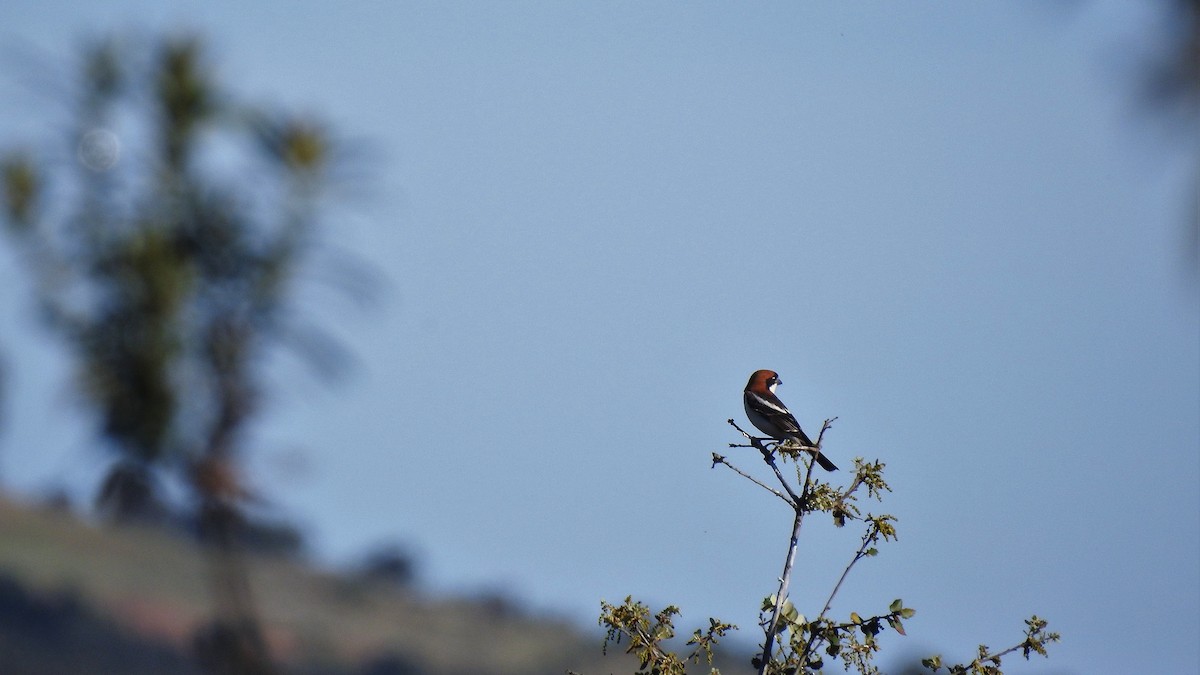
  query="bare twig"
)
[
  {"x": 790, "y": 561},
  {"x": 720, "y": 459},
  {"x": 735, "y": 426},
  {"x": 769, "y": 458},
  {"x": 814, "y": 639},
  {"x": 825, "y": 426},
  {"x": 781, "y": 595},
  {"x": 768, "y": 454}
]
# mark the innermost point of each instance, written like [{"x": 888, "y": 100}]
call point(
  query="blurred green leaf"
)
[{"x": 22, "y": 187}]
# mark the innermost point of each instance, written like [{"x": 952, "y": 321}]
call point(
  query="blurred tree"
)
[
  {"x": 163, "y": 254},
  {"x": 166, "y": 281},
  {"x": 1173, "y": 89},
  {"x": 1174, "y": 81}
]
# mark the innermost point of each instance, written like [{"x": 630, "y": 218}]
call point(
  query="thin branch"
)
[
  {"x": 1035, "y": 641},
  {"x": 824, "y": 427},
  {"x": 720, "y": 459},
  {"x": 781, "y": 594},
  {"x": 769, "y": 458},
  {"x": 786, "y": 578},
  {"x": 814, "y": 638},
  {"x": 741, "y": 430},
  {"x": 768, "y": 455},
  {"x": 992, "y": 657}
]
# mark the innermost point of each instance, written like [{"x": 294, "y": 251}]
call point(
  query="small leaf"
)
[
  {"x": 872, "y": 551},
  {"x": 907, "y": 612},
  {"x": 896, "y": 605},
  {"x": 789, "y": 611},
  {"x": 855, "y": 617}
]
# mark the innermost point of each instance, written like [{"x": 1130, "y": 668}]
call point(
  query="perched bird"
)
[{"x": 771, "y": 416}]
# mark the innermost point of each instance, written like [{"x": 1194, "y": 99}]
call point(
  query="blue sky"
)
[{"x": 958, "y": 229}]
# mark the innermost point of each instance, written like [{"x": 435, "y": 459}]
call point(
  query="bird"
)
[{"x": 770, "y": 416}]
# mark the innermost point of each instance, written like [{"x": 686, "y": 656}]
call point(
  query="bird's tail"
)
[{"x": 825, "y": 463}]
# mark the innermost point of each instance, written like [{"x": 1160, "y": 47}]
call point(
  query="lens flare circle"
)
[{"x": 99, "y": 150}]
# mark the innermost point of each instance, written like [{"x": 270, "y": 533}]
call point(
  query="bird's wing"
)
[{"x": 772, "y": 408}]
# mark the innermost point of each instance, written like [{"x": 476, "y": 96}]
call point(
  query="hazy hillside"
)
[{"x": 129, "y": 601}]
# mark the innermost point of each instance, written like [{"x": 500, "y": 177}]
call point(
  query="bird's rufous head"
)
[{"x": 764, "y": 379}]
